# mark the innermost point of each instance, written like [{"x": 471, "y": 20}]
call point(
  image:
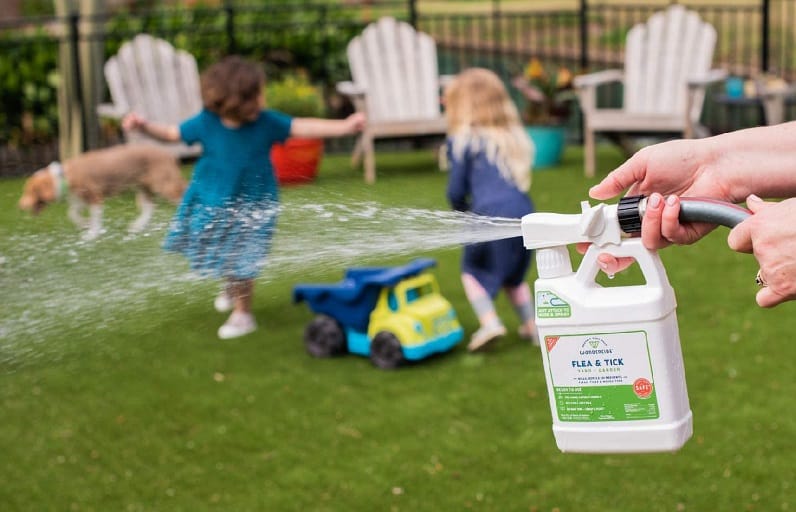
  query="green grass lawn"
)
[{"x": 116, "y": 395}]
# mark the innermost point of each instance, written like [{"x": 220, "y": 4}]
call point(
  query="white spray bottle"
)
[{"x": 611, "y": 355}]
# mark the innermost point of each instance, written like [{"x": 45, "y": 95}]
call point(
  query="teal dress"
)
[{"x": 227, "y": 217}]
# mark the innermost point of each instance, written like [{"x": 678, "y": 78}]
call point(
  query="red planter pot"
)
[{"x": 297, "y": 160}]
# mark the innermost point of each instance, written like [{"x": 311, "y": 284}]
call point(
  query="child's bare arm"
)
[
  {"x": 164, "y": 132},
  {"x": 313, "y": 127}
]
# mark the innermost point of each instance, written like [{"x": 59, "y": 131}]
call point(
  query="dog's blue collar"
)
[{"x": 56, "y": 170}]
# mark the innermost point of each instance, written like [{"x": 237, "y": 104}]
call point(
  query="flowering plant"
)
[
  {"x": 295, "y": 95},
  {"x": 548, "y": 94}
]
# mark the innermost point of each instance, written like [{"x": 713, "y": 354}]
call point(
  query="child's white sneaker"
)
[
  {"x": 238, "y": 324},
  {"x": 223, "y": 302},
  {"x": 484, "y": 335}
]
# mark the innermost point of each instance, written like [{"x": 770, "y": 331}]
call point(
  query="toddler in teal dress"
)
[{"x": 227, "y": 216}]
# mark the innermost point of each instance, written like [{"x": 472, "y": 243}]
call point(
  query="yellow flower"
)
[
  {"x": 535, "y": 70},
  {"x": 547, "y": 92},
  {"x": 563, "y": 78}
]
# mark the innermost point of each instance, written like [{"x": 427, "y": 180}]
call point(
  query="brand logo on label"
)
[
  {"x": 551, "y": 341},
  {"x": 595, "y": 345}
]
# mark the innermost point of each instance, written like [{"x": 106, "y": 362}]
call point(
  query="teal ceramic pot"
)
[
  {"x": 549, "y": 142},
  {"x": 733, "y": 87}
]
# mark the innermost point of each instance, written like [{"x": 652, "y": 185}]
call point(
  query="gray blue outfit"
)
[{"x": 476, "y": 185}]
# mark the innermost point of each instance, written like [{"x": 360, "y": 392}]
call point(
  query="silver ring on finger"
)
[{"x": 760, "y": 280}]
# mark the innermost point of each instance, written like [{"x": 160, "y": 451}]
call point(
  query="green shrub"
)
[
  {"x": 281, "y": 36},
  {"x": 28, "y": 89},
  {"x": 295, "y": 95}
]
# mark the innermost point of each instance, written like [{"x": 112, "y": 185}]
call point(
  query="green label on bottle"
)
[
  {"x": 550, "y": 305},
  {"x": 602, "y": 377}
]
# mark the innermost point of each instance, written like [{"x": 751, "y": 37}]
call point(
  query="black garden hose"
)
[{"x": 692, "y": 209}]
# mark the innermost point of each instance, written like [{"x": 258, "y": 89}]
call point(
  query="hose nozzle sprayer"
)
[
  {"x": 603, "y": 224},
  {"x": 611, "y": 354}
]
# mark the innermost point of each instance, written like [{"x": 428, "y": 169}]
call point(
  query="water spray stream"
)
[{"x": 55, "y": 281}]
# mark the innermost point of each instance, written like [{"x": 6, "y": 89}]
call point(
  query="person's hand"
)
[
  {"x": 681, "y": 167},
  {"x": 670, "y": 169},
  {"x": 770, "y": 234},
  {"x": 133, "y": 122},
  {"x": 355, "y": 123}
]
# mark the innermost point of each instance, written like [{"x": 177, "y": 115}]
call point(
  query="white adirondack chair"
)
[
  {"x": 774, "y": 95},
  {"x": 396, "y": 83},
  {"x": 667, "y": 68},
  {"x": 150, "y": 77}
]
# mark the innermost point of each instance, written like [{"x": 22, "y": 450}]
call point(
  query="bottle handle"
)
[{"x": 649, "y": 261}]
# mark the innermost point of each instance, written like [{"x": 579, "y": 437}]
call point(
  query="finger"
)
[
  {"x": 740, "y": 237},
  {"x": 768, "y": 298},
  {"x": 755, "y": 204},
  {"x": 651, "y": 227},
  {"x": 582, "y": 247},
  {"x": 671, "y": 229},
  {"x": 611, "y": 264},
  {"x": 619, "y": 179}
]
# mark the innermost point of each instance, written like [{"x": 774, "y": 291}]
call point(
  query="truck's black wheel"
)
[
  {"x": 386, "y": 352},
  {"x": 324, "y": 337}
]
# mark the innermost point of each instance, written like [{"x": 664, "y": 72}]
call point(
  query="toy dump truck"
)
[{"x": 390, "y": 314}]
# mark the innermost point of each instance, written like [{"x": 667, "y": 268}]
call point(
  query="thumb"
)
[
  {"x": 755, "y": 204},
  {"x": 740, "y": 237},
  {"x": 630, "y": 172},
  {"x": 767, "y": 298}
]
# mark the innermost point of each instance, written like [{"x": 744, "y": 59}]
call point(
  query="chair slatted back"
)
[
  {"x": 150, "y": 77},
  {"x": 661, "y": 55},
  {"x": 397, "y": 66}
]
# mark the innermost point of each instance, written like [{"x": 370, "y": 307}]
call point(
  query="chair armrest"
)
[
  {"x": 110, "y": 110},
  {"x": 598, "y": 78},
  {"x": 355, "y": 93},
  {"x": 445, "y": 80},
  {"x": 350, "y": 89},
  {"x": 778, "y": 92},
  {"x": 712, "y": 76},
  {"x": 774, "y": 100},
  {"x": 586, "y": 87}
]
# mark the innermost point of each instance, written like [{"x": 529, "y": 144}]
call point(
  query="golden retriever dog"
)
[{"x": 89, "y": 178}]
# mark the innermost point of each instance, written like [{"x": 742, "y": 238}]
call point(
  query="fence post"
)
[
  {"x": 70, "y": 108},
  {"x": 413, "y": 13},
  {"x": 91, "y": 59},
  {"x": 74, "y": 54},
  {"x": 584, "y": 35},
  {"x": 766, "y": 22},
  {"x": 229, "y": 9},
  {"x": 496, "y": 41},
  {"x": 324, "y": 26}
]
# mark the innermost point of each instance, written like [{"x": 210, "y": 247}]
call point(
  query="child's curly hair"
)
[{"x": 232, "y": 87}]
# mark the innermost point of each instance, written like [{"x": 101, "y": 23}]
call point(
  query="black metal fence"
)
[{"x": 754, "y": 38}]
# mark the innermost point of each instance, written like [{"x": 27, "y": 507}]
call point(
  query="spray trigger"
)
[
  {"x": 591, "y": 219},
  {"x": 596, "y": 224}
]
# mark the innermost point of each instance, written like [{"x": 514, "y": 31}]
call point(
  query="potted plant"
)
[
  {"x": 548, "y": 97},
  {"x": 297, "y": 160}
]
